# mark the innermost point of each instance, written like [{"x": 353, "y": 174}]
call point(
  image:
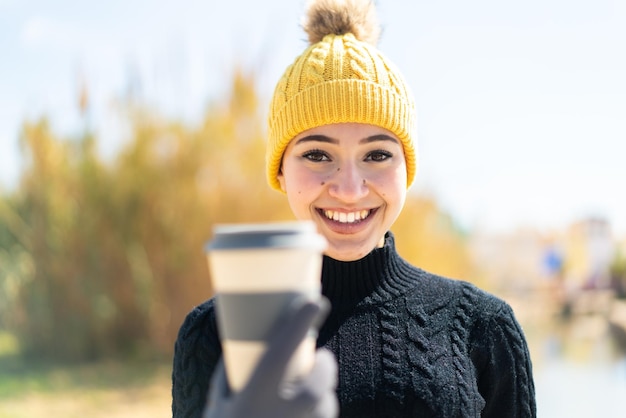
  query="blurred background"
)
[{"x": 127, "y": 129}]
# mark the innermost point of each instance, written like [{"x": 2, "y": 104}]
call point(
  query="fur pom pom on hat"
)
[
  {"x": 341, "y": 77},
  {"x": 337, "y": 17}
]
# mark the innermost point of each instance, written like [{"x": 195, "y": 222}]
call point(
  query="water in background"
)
[{"x": 579, "y": 362}]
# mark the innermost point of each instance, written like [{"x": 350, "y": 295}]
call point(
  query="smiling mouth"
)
[{"x": 346, "y": 217}]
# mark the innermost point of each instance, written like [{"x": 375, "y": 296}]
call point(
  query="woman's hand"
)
[{"x": 266, "y": 395}]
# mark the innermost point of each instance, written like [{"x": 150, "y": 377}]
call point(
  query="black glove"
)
[{"x": 266, "y": 395}]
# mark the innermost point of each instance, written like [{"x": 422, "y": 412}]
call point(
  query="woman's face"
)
[{"x": 350, "y": 179}]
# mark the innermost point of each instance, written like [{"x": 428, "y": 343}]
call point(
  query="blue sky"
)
[{"x": 521, "y": 104}]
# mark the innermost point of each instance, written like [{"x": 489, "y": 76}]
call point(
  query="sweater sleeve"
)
[
  {"x": 196, "y": 353},
  {"x": 504, "y": 367}
]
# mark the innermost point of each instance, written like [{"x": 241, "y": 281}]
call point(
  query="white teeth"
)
[{"x": 349, "y": 217}]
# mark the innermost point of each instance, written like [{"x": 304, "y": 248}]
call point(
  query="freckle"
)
[
  {"x": 338, "y": 168},
  {"x": 322, "y": 183}
]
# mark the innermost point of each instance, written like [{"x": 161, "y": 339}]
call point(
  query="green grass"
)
[
  {"x": 20, "y": 377},
  {"x": 115, "y": 389}
]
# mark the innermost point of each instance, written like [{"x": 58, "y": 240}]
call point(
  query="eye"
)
[
  {"x": 378, "y": 155},
  {"x": 316, "y": 156}
]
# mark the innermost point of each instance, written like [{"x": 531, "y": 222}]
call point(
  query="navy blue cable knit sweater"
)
[{"x": 408, "y": 344}]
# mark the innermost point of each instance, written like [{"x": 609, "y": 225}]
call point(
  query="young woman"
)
[{"x": 405, "y": 342}]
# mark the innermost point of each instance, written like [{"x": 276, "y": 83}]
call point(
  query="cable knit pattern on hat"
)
[
  {"x": 408, "y": 344},
  {"x": 340, "y": 79}
]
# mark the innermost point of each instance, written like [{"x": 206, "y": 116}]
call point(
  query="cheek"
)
[
  {"x": 389, "y": 180},
  {"x": 391, "y": 186},
  {"x": 300, "y": 180},
  {"x": 303, "y": 188}
]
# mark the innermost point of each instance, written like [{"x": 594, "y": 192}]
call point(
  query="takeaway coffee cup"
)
[{"x": 257, "y": 270}]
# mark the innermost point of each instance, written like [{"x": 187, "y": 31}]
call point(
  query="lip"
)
[{"x": 346, "y": 227}]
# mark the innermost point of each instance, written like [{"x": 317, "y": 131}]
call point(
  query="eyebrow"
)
[{"x": 329, "y": 140}]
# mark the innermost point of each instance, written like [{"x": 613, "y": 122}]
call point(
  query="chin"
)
[{"x": 350, "y": 255}]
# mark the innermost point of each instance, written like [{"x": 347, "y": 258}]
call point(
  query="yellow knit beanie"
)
[{"x": 340, "y": 77}]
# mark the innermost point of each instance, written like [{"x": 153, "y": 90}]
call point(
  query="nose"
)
[{"x": 348, "y": 184}]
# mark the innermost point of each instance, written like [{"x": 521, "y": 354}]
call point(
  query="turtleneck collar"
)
[{"x": 378, "y": 277}]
